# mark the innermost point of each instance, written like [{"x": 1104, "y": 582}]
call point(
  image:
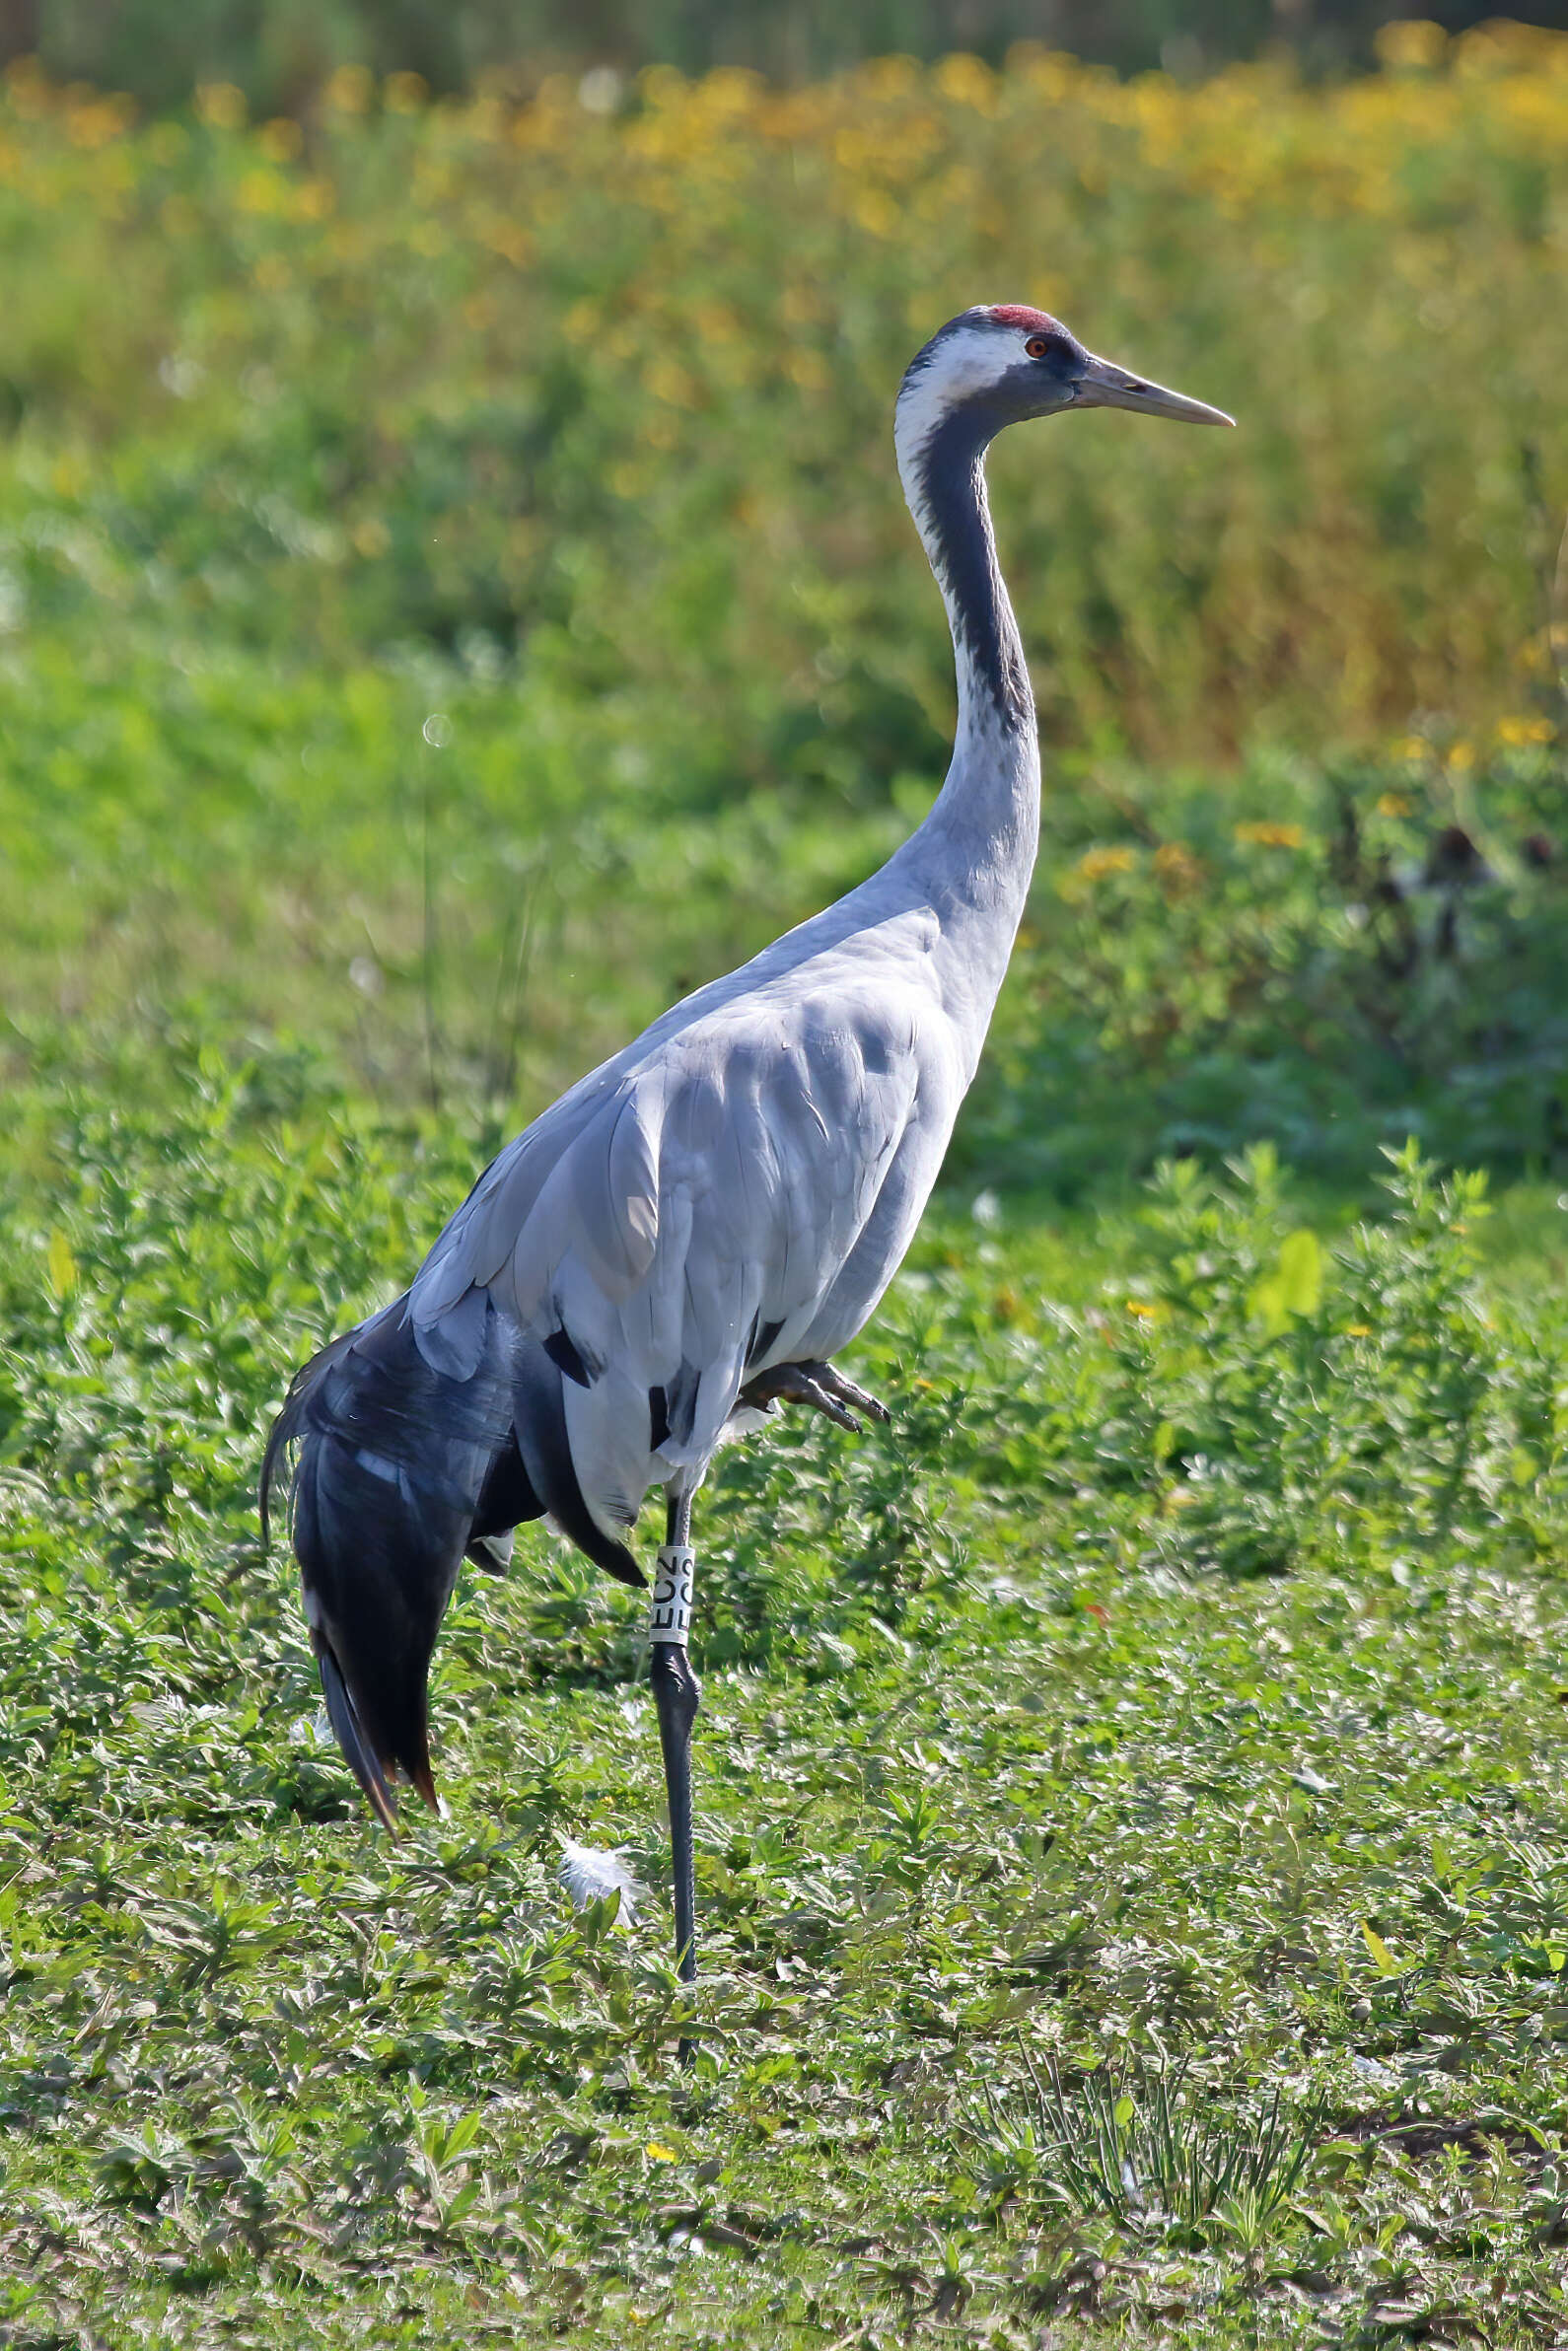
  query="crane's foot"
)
[{"x": 816, "y": 1385}]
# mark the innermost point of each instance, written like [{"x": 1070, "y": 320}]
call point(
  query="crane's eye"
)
[{"x": 1037, "y": 346}]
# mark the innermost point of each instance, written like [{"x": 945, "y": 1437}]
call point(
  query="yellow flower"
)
[
  {"x": 262, "y": 192},
  {"x": 351, "y": 90},
  {"x": 1461, "y": 756},
  {"x": 1271, "y": 836},
  {"x": 220, "y": 105},
  {"x": 968, "y": 82},
  {"x": 1404, "y": 45},
  {"x": 669, "y": 382},
  {"x": 1392, "y": 804},
  {"x": 877, "y": 212},
  {"x": 1411, "y": 747},
  {"x": 28, "y": 88},
  {"x": 1176, "y": 866},
  {"x": 99, "y": 122},
  {"x": 281, "y": 140},
  {"x": 512, "y": 244},
  {"x": 313, "y": 200},
  {"x": 662, "y": 2155},
  {"x": 405, "y": 93},
  {"x": 1095, "y": 864},
  {"x": 715, "y": 322},
  {"x": 1516, "y": 732}
]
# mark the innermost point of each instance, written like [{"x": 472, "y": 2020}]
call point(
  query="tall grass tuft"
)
[{"x": 1149, "y": 2153}]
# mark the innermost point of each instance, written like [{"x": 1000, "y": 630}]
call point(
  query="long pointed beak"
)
[{"x": 1102, "y": 386}]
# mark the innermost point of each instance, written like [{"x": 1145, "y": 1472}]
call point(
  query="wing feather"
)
[{"x": 660, "y": 1217}]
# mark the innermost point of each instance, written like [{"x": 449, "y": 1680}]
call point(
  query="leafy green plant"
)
[
  {"x": 1275, "y": 1394},
  {"x": 991, "y": 1760},
  {"x": 1326, "y": 960}
]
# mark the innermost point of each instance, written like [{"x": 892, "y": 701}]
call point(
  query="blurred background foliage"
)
[
  {"x": 590, "y": 376},
  {"x": 281, "y": 52},
  {"x": 432, "y": 524}
]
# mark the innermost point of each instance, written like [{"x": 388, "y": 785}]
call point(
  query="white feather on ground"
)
[{"x": 591, "y": 1875}]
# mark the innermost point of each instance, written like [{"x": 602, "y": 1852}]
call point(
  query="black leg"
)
[{"x": 676, "y": 1694}]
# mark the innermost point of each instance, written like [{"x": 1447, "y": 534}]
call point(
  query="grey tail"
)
[{"x": 399, "y": 1471}]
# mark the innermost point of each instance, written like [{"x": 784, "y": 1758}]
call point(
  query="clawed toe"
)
[
  {"x": 861, "y": 1398},
  {"x": 821, "y": 1397},
  {"x": 817, "y": 1385}
]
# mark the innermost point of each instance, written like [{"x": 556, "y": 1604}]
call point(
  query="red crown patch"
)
[{"x": 1019, "y": 314}]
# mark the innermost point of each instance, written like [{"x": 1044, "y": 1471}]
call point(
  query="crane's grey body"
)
[
  {"x": 727, "y": 1198},
  {"x": 737, "y": 1189}
]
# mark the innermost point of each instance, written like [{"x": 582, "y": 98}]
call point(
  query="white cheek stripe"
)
[
  {"x": 669, "y": 1609},
  {"x": 964, "y": 363}
]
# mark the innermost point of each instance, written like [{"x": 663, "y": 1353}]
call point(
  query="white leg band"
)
[{"x": 669, "y": 1611}]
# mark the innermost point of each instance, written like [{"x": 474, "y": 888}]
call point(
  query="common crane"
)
[{"x": 696, "y": 1229}]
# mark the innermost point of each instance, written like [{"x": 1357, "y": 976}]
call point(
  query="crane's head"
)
[{"x": 1000, "y": 363}]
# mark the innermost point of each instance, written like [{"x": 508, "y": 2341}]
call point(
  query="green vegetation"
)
[
  {"x": 540, "y": 426},
  {"x": 1092, "y": 1927},
  {"x": 454, "y": 599},
  {"x": 281, "y": 53},
  {"x": 607, "y": 397}
]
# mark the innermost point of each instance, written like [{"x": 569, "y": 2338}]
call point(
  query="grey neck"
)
[{"x": 978, "y": 842}]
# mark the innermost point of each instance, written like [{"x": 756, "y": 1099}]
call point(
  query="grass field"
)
[{"x": 454, "y": 599}]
